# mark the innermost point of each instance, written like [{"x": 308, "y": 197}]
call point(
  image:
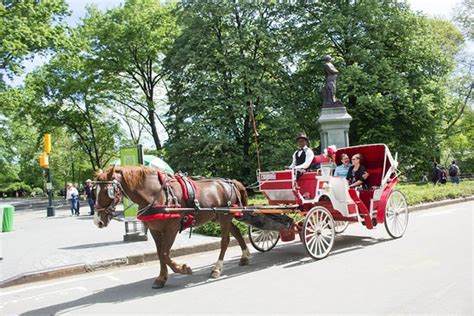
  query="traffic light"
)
[
  {"x": 47, "y": 143},
  {"x": 44, "y": 161}
]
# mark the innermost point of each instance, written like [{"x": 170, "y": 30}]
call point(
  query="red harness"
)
[{"x": 165, "y": 182}]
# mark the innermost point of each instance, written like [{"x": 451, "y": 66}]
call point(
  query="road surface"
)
[{"x": 427, "y": 271}]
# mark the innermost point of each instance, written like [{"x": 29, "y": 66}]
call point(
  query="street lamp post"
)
[{"x": 49, "y": 186}]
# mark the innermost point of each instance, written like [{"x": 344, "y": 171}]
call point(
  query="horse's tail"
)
[{"x": 243, "y": 192}]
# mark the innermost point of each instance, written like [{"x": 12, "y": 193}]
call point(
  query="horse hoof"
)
[
  {"x": 215, "y": 274},
  {"x": 158, "y": 284},
  {"x": 187, "y": 270},
  {"x": 244, "y": 261}
]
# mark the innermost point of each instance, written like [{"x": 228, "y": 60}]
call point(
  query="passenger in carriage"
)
[
  {"x": 342, "y": 169},
  {"x": 303, "y": 157},
  {"x": 356, "y": 175}
]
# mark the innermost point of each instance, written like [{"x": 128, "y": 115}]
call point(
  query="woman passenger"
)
[{"x": 356, "y": 172}]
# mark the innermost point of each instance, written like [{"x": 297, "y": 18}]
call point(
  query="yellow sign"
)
[
  {"x": 47, "y": 143},
  {"x": 44, "y": 161}
]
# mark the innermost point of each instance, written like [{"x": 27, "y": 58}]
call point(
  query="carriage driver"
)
[{"x": 303, "y": 157}]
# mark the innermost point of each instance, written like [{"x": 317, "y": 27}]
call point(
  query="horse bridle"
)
[{"x": 114, "y": 192}]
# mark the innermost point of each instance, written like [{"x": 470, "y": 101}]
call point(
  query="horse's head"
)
[
  {"x": 108, "y": 192},
  {"x": 139, "y": 184}
]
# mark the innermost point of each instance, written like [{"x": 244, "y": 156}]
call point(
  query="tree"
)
[
  {"x": 393, "y": 70},
  {"x": 228, "y": 62},
  {"x": 28, "y": 27},
  {"x": 67, "y": 92},
  {"x": 128, "y": 44}
]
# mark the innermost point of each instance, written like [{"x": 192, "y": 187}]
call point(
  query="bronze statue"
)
[{"x": 329, "y": 90}]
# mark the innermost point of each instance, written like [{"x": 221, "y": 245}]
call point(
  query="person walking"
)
[
  {"x": 454, "y": 172},
  {"x": 89, "y": 195},
  {"x": 72, "y": 195},
  {"x": 435, "y": 173}
]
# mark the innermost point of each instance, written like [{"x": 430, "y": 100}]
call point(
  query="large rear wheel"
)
[
  {"x": 318, "y": 232},
  {"x": 396, "y": 214},
  {"x": 263, "y": 240}
]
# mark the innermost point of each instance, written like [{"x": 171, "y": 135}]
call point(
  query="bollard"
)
[{"x": 7, "y": 218}]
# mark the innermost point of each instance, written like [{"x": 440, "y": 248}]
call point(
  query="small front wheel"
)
[
  {"x": 263, "y": 240},
  {"x": 318, "y": 232},
  {"x": 340, "y": 226},
  {"x": 396, "y": 214}
]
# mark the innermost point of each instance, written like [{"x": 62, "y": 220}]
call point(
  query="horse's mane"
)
[{"x": 133, "y": 176}]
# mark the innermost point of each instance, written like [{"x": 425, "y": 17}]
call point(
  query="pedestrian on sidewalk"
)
[
  {"x": 89, "y": 196},
  {"x": 454, "y": 172},
  {"x": 72, "y": 195}
]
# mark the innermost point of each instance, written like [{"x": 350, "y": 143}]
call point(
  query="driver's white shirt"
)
[{"x": 309, "y": 158}]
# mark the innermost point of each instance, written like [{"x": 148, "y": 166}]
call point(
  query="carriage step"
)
[{"x": 374, "y": 222}]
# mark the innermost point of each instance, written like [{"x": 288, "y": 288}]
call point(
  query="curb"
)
[
  {"x": 424, "y": 206},
  {"x": 44, "y": 275}
]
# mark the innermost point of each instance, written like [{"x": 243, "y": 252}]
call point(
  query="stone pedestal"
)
[{"x": 333, "y": 124}]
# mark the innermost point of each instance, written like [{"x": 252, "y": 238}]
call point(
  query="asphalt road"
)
[{"x": 427, "y": 271}]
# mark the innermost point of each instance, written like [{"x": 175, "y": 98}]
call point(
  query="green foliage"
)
[
  {"x": 66, "y": 93},
  {"x": 460, "y": 145},
  {"x": 213, "y": 229},
  {"x": 229, "y": 57},
  {"x": 14, "y": 187},
  {"x": 128, "y": 45},
  {"x": 423, "y": 193},
  {"x": 28, "y": 27},
  {"x": 393, "y": 67}
]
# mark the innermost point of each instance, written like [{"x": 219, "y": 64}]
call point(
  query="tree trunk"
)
[
  {"x": 154, "y": 131},
  {"x": 245, "y": 171}
]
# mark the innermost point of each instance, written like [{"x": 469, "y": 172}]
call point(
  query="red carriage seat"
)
[
  {"x": 375, "y": 177},
  {"x": 374, "y": 157}
]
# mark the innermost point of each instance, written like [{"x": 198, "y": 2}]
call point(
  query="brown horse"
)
[{"x": 144, "y": 187}]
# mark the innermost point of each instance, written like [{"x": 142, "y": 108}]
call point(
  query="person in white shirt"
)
[
  {"x": 73, "y": 196},
  {"x": 303, "y": 157}
]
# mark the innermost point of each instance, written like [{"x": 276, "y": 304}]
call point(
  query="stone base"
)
[
  {"x": 134, "y": 237},
  {"x": 333, "y": 126}
]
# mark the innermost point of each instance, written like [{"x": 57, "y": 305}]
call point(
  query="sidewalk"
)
[{"x": 41, "y": 247}]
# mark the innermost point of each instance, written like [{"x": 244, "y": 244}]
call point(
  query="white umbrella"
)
[{"x": 152, "y": 162}]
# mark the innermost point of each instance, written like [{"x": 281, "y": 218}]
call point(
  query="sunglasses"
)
[{"x": 355, "y": 158}]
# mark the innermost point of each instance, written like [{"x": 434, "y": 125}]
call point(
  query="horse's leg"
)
[
  {"x": 225, "y": 222},
  {"x": 244, "y": 260},
  {"x": 160, "y": 281},
  {"x": 170, "y": 236}
]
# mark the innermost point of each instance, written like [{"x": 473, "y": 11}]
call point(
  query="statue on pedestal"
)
[{"x": 329, "y": 90}]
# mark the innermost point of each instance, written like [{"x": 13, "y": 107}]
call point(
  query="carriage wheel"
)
[
  {"x": 340, "y": 226},
  {"x": 263, "y": 240},
  {"x": 396, "y": 214},
  {"x": 318, "y": 232}
]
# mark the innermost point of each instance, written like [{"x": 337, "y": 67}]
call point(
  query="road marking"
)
[
  {"x": 29, "y": 287},
  {"x": 42, "y": 295}
]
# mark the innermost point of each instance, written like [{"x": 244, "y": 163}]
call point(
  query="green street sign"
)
[{"x": 129, "y": 157}]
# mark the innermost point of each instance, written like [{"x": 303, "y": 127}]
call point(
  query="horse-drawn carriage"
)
[
  {"x": 328, "y": 205},
  {"x": 316, "y": 205}
]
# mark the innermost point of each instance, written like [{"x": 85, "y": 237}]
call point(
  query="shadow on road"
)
[
  {"x": 94, "y": 245},
  {"x": 288, "y": 255}
]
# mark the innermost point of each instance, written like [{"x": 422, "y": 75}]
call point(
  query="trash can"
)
[{"x": 7, "y": 218}]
